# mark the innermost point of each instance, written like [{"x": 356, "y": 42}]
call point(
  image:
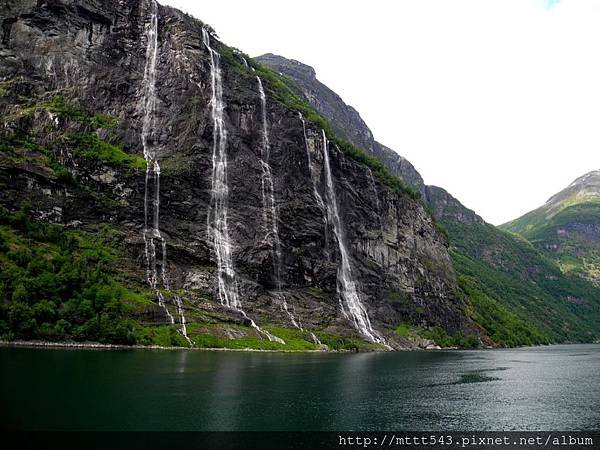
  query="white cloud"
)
[{"x": 496, "y": 101}]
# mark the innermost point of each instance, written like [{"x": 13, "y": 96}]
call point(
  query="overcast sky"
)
[{"x": 497, "y": 101}]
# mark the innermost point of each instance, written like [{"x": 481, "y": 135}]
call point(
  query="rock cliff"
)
[{"x": 102, "y": 128}]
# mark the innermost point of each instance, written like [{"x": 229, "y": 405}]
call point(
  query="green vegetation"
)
[
  {"x": 63, "y": 285},
  {"x": 23, "y": 150},
  {"x": 562, "y": 237},
  {"x": 438, "y": 335},
  {"x": 7, "y": 84},
  {"x": 503, "y": 326},
  {"x": 163, "y": 335},
  {"x": 443, "y": 339},
  {"x": 516, "y": 293},
  {"x": 63, "y": 107},
  {"x": 86, "y": 144},
  {"x": 211, "y": 335},
  {"x": 566, "y": 227},
  {"x": 89, "y": 145},
  {"x": 337, "y": 342},
  {"x": 57, "y": 285},
  {"x": 403, "y": 330}
]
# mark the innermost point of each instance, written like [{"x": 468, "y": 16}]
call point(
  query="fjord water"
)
[{"x": 551, "y": 388}]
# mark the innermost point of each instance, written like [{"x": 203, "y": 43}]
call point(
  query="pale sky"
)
[{"x": 497, "y": 101}]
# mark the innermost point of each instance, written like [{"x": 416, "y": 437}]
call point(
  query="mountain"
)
[
  {"x": 347, "y": 122},
  {"x": 160, "y": 187},
  {"x": 516, "y": 293},
  {"x": 567, "y": 227}
]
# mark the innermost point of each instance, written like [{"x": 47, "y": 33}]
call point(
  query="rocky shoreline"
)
[{"x": 98, "y": 346}]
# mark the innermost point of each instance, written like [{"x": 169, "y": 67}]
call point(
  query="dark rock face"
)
[
  {"x": 447, "y": 208},
  {"x": 94, "y": 53},
  {"x": 348, "y": 123}
]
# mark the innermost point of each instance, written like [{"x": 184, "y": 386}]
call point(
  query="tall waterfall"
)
[
  {"x": 352, "y": 306},
  {"x": 152, "y": 234},
  {"x": 267, "y": 189},
  {"x": 268, "y": 199},
  {"x": 217, "y": 226},
  {"x": 149, "y": 102}
]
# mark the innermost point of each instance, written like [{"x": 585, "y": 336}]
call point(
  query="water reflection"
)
[
  {"x": 526, "y": 389},
  {"x": 353, "y": 390}
]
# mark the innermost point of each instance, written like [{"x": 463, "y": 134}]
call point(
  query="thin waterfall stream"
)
[
  {"x": 217, "y": 218},
  {"x": 314, "y": 177},
  {"x": 268, "y": 198},
  {"x": 350, "y": 301},
  {"x": 153, "y": 235}
]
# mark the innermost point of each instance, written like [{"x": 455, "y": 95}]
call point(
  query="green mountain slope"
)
[
  {"x": 567, "y": 227},
  {"x": 518, "y": 294}
]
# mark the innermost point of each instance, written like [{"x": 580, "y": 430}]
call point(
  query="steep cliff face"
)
[
  {"x": 516, "y": 293},
  {"x": 77, "y": 134}
]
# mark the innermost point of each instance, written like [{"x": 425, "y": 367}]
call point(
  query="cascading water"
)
[
  {"x": 149, "y": 93},
  {"x": 153, "y": 235},
  {"x": 218, "y": 229},
  {"x": 268, "y": 198},
  {"x": 352, "y": 306},
  {"x": 217, "y": 226},
  {"x": 267, "y": 188},
  {"x": 314, "y": 177}
]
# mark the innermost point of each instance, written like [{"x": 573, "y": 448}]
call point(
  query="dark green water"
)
[{"x": 551, "y": 388}]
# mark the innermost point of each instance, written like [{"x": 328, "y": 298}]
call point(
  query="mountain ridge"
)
[{"x": 567, "y": 227}]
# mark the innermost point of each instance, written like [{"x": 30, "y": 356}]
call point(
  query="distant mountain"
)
[
  {"x": 567, "y": 227},
  {"x": 516, "y": 292}
]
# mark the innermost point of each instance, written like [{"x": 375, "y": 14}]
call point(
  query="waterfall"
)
[
  {"x": 315, "y": 339},
  {"x": 314, "y": 176},
  {"x": 267, "y": 189},
  {"x": 217, "y": 226},
  {"x": 152, "y": 178},
  {"x": 352, "y": 306},
  {"x": 268, "y": 198},
  {"x": 148, "y": 105}
]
